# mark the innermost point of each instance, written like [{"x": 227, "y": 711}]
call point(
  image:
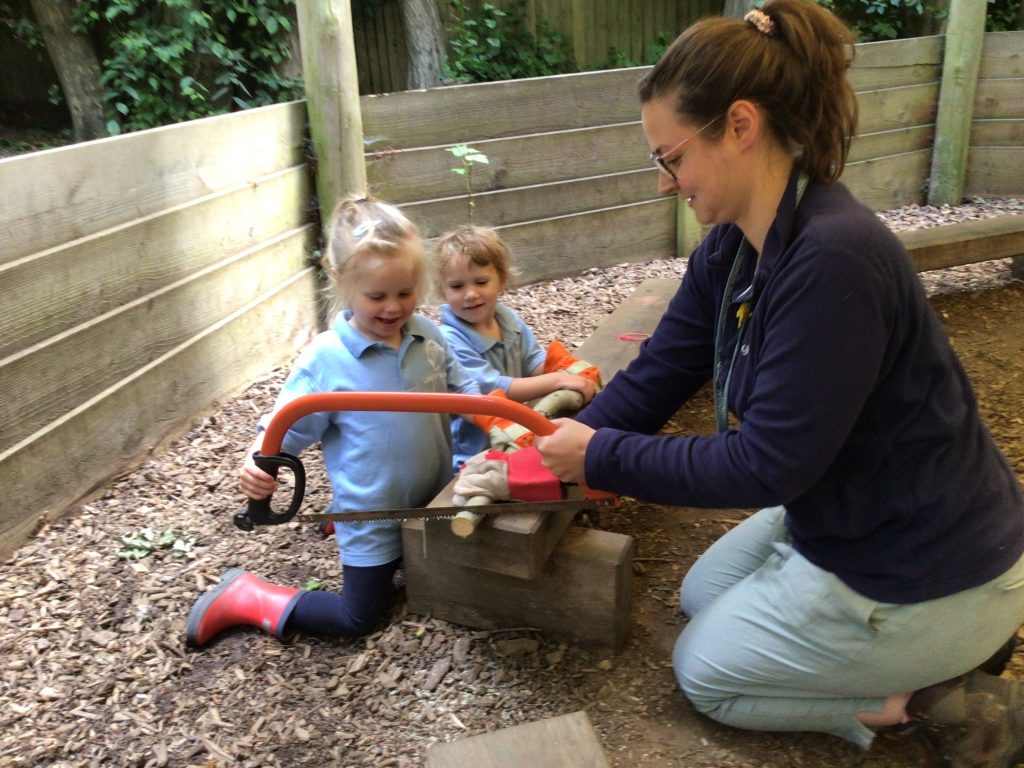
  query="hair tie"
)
[{"x": 760, "y": 21}]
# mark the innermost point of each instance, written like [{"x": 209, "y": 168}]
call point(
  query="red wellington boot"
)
[{"x": 240, "y": 599}]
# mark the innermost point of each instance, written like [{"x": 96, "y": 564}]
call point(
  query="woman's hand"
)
[
  {"x": 255, "y": 483},
  {"x": 564, "y": 451}
]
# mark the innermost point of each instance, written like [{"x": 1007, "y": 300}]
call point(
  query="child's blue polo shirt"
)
[
  {"x": 491, "y": 363},
  {"x": 376, "y": 460}
]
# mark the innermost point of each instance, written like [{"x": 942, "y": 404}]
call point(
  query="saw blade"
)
[{"x": 439, "y": 513}]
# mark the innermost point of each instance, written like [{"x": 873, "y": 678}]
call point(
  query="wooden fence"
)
[
  {"x": 569, "y": 185},
  {"x": 142, "y": 277}
]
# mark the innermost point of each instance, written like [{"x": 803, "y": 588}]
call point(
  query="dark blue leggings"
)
[{"x": 355, "y": 611}]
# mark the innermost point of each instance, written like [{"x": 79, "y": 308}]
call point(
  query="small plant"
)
[
  {"x": 147, "y": 541},
  {"x": 314, "y": 585},
  {"x": 467, "y": 156}
]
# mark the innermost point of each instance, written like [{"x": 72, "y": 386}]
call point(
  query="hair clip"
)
[
  {"x": 761, "y": 21},
  {"x": 365, "y": 228}
]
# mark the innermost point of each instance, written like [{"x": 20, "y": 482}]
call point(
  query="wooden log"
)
[
  {"x": 962, "y": 60},
  {"x": 582, "y": 595},
  {"x": 567, "y": 741}
]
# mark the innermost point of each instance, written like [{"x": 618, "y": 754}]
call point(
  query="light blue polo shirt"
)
[
  {"x": 491, "y": 363},
  {"x": 376, "y": 460}
]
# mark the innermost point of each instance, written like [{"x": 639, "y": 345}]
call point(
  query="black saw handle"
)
[{"x": 258, "y": 511}]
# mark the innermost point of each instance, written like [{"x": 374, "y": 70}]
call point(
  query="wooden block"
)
[
  {"x": 516, "y": 545},
  {"x": 582, "y": 595},
  {"x": 568, "y": 741}
]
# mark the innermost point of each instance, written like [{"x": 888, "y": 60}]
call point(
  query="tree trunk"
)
[
  {"x": 737, "y": 9},
  {"x": 424, "y": 41},
  {"x": 77, "y": 67}
]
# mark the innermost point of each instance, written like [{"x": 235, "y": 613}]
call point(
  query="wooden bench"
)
[
  {"x": 527, "y": 570},
  {"x": 968, "y": 242}
]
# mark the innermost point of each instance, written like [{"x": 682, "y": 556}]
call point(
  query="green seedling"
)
[{"x": 467, "y": 156}]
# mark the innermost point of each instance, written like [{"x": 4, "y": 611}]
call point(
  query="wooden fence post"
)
[
  {"x": 332, "y": 99},
  {"x": 965, "y": 33}
]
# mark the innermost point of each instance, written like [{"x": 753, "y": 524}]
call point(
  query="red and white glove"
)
[
  {"x": 559, "y": 359},
  {"x": 504, "y": 434},
  {"x": 500, "y": 476}
]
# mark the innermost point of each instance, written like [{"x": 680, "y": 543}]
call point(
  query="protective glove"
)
[
  {"x": 504, "y": 434},
  {"x": 559, "y": 359},
  {"x": 502, "y": 476}
]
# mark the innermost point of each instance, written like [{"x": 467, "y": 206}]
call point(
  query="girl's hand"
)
[
  {"x": 255, "y": 483},
  {"x": 565, "y": 451},
  {"x": 585, "y": 387}
]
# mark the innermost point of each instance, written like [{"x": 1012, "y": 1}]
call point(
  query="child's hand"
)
[
  {"x": 576, "y": 383},
  {"x": 255, "y": 483}
]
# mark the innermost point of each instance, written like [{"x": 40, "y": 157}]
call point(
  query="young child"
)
[
  {"x": 491, "y": 341},
  {"x": 375, "y": 460}
]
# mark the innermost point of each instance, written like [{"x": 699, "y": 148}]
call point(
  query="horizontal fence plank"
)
[
  {"x": 993, "y": 171},
  {"x": 424, "y": 174},
  {"x": 51, "y": 197},
  {"x": 1002, "y": 55},
  {"x": 899, "y": 53},
  {"x": 965, "y": 242},
  {"x": 889, "y": 182},
  {"x": 999, "y": 98},
  {"x": 471, "y": 113},
  {"x": 567, "y": 245},
  {"x": 51, "y": 378},
  {"x": 875, "y": 78},
  {"x": 997, "y": 133},
  {"x": 91, "y": 276},
  {"x": 892, "y": 108},
  {"x": 508, "y": 206},
  {"x": 111, "y": 432},
  {"x": 885, "y": 143}
]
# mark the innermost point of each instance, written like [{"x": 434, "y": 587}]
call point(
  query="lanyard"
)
[{"x": 721, "y": 388}]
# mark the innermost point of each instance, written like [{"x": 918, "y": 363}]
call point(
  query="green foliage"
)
[
  {"x": 21, "y": 28},
  {"x": 314, "y": 585},
  {"x": 618, "y": 59},
  {"x": 487, "y": 44},
  {"x": 165, "y": 61},
  {"x": 1002, "y": 15},
  {"x": 147, "y": 541},
  {"x": 896, "y": 19},
  {"x": 467, "y": 156}
]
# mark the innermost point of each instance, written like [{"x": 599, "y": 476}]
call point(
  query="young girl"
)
[
  {"x": 491, "y": 341},
  {"x": 374, "y": 261}
]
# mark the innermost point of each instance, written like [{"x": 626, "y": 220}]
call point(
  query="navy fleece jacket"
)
[{"x": 853, "y": 409}]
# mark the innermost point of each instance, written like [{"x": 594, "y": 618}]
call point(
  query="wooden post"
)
[
  {"x": 332, "y": 99},
  {"x": 688, "y": 229},
  {"x": 965, "y": 33}
]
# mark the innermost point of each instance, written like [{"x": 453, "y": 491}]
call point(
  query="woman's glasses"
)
[{"x": 658, "y": 158}]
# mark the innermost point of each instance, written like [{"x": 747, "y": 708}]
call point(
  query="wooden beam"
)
[
  {"x": 965, "y": 242},
  {"x": 332, "y": 97},
  {"x": 889, "y": 182},
  {"x": 962, "y": 61},
  {"x": 568, "y": 741}
]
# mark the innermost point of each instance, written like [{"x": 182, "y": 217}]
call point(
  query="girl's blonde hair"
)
[
  {"x": 468, "y": 244},
  {"x": 790, "y": 58},
  {"x": 361, "y": 227}
]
